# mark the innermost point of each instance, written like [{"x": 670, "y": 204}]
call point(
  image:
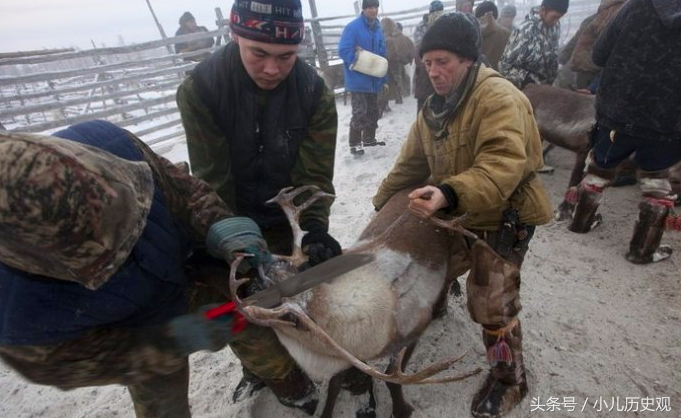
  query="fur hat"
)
[
  {"x": 369, "y": 3},
  {"x": 436, "y": 5},
  {"x": 456, "y": 32},
  {"x": 484, "y": 7},
  {"x": 560, "y": 6},
  {"x": 270, "y": 21},
  {"x": 186, "y": 17}
]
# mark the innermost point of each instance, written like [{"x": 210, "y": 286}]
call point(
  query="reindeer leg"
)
[
  {"x": 332, "y": 395},
  {"x": 401, "y": 408}
]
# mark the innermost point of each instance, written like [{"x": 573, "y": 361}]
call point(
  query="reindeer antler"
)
[
  {"x": 271, "y": 318},
  {"x": 285, "y": 199},
  {"x": 454, "y": 224}
]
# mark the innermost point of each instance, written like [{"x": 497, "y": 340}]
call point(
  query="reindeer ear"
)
[{"x": 493, "y": 287}]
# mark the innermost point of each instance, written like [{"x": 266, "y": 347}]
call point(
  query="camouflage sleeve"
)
[
  {"x": 100, "y": 357},
  {"x": 206, "y": 143},
  {"x": 316, "y": 155},
  {"x": 191, "y": 200},
  {"x": 516, "y": 53}
]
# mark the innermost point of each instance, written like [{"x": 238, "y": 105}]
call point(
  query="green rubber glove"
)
[{"x": 238, "y": 234}]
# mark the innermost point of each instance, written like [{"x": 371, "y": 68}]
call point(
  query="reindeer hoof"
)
[
  {"x": 246, "y": 388},
  {"x": 563, "y": 212}
]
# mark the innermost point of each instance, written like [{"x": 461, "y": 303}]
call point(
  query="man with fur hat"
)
[
  {"x": 637, "y": 111},
  {"x": 363, "y": 33},
  {"x": 188, "y": 25},
  {"x": 258, "y": 119},
  {"x": 477, "y": 147},
  {"x": 95, "y": 232},
  {"x": 494, "y": 37},
  {"x": 531, "y": 55}
]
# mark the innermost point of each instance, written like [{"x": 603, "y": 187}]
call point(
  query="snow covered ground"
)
[{"x": 598, "y": 330}]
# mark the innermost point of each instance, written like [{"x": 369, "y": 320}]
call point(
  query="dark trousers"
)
[
  {"x": 364, "y": 111},
  {"x": 651, "y": 154}
]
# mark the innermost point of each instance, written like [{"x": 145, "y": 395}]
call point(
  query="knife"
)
[{"x": 321, "y": 273}]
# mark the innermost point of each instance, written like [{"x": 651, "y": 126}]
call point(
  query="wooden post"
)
[
  {"x": 318, "y": 38},
  {"x": 221, "y": 23},
  {"x": 158, "y": 25}
]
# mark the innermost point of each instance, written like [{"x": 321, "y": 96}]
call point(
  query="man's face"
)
[
  {"x": 464, "y": 7},
  {"x": 190, "y": 24},
  {"x": 371, "y": 13},
  {"x": 446, "y": 70},
  {"x": 549, "y": 17},
  {"x": 266, "y": 64}
]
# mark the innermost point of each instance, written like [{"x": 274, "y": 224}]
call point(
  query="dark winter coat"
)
[{"x": 640, "y": 85}]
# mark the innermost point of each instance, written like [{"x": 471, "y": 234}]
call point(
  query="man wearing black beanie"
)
[
  {"x": 258, "y": 119},
  {"x": 531, "y": 54},
  {"x": 477, "y": 146}
]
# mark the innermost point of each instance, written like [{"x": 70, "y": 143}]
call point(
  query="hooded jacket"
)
[
  {"x": 493, "y": 144},
  {"x": 641, "y": 80}
]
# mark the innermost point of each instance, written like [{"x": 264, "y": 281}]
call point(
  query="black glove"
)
[{"x": 318, "y": 244}]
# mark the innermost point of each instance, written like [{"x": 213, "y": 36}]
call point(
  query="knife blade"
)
[{"x": 298, "y": 283}]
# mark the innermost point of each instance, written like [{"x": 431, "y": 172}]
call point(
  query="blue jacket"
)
[
  {"x": 149, "y": 289},
  {"x": 368, "y": 37}
]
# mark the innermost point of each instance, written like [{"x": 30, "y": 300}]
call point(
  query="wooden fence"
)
[{"x": 134, "y": 86}]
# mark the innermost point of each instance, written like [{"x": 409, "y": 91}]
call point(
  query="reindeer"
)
[
  {"x": 564, "y": 118},
  {"x": 375, "y": 311}
]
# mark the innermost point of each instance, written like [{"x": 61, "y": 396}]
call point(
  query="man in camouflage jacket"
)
[
  {"x": 95, "y": 231},
  {"x": 531, "y": 54},
  {"x": 259, "y": 119}
]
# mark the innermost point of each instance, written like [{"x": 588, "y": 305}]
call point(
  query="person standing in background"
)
[
  {"x": 637, "y": 111},
  {"x": 494, "y": 37},
  {"x": 188, "y": 25},
  {"x": 363, "y": 33},
  {"x": 531, "y": 55}
]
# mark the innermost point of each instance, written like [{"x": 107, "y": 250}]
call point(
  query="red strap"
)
[{"x": 224, "y": 309}]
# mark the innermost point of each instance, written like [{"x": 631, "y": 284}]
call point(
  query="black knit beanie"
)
[
  {"x": 369, "y": 3},
  {"x": 436, "y": 6},
  {"x": 456, "y": 32},
  {"x": 484, "y": 7},
  {"x": 560, "y": 6},
  {"x": 270, "y": 21}
]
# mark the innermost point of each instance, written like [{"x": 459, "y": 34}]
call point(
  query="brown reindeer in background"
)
[
  {"x": 564, "y": 118},
  {"x": 374, "y": 311}
]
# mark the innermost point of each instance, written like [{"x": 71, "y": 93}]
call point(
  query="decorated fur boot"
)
[
  {"x": 506, "y": 385},
  {"x": 645, "y": 245}
]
